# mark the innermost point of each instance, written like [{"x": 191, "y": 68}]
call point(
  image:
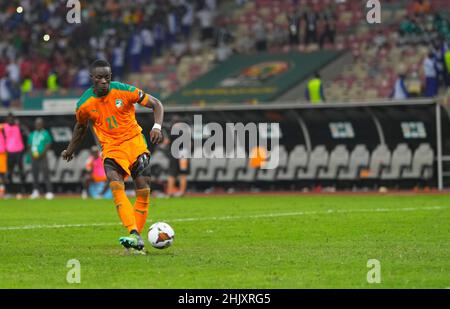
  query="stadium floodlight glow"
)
[
  {"x": 19, "y": 10},
  {"x": 46, "y": 37}
]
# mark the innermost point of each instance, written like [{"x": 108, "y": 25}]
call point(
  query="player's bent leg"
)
[
  {"x": 123, "y": 205},
  {"x": 141, "y": 176},
  {"x": 142, "y": 201},
  {"x": 126, "y": 214}
]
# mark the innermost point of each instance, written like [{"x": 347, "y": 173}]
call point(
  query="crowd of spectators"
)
[
  {"x": 406, "y": 56},
  {"x": 39, "y": 49},
  {"x": 424, "y": 27},
  {"x": 265, "y": 25}
]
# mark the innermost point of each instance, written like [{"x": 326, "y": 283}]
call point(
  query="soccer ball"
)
[{"x": 161, "y": 235}]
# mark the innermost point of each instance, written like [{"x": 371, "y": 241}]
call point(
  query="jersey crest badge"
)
[{"x": 119, "y": 103}]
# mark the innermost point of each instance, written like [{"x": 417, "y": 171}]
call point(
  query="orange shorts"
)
[
  {"x": 3, "y": 163},
  {"x": 126, "y": 153}
]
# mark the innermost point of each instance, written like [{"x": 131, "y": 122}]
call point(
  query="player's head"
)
[
  {"x": 100, "y": 72},
  {"x": 39, "y": 123}
]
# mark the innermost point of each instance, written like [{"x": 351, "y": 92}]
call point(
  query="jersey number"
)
[{"x": 112, "y": 122}]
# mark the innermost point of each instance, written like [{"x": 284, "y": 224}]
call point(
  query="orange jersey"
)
[{"x": 113, "y": 116}]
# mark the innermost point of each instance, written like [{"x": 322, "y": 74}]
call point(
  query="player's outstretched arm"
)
[
  {"x": 79, "y": 132},
  {"x": 158, "y": 112}
]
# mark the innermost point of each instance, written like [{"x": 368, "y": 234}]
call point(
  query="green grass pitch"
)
[{"x": 265, "y": 241}]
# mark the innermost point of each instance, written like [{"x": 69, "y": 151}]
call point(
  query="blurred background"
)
[{"x": 361, "y": 106}]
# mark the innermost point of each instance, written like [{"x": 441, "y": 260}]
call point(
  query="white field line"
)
[{"x": 267, "y": 215}]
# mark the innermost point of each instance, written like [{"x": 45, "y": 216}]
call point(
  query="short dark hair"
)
[{"x": 99, "y": 63}]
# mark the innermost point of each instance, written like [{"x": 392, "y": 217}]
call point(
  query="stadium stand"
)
[
  {"x": 398, "y": 45},
  {"x": 160, "y": 47},
  {"x": 128, "y": 33}
]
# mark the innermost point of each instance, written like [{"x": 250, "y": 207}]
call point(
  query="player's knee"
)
[
  {"x": 142, "y": 182},
  {"x": 116, "y": 186},
  {"x": 141, "y": 168},
  {"x": 114, "y": 176}
]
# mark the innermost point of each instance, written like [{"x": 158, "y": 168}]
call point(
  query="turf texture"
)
[{"x": 265, "y": 241}]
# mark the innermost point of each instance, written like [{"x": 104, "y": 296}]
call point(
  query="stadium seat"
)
[
  {"x": 283, "y": 160},
  {"x": 247, "y": 175},
  {"x": 380, "y": 159},
  {"x": 318, "y": 160},
  {"x": 422, "y": 163},
  {"x": 199, "y": 165},
  {"x": 359, "y": 158},
  {"x": 298, "y": 159},
  {"x": 339, "y": 157},
  {"x": 270, "y": 174},
  {"x": 222, "y": 170},
  {"x": 209, "y": 170},
  {"x": 215, "y": 165},
  {"x": 401, "y": 159},
  {"x": 233, "y": 167}
]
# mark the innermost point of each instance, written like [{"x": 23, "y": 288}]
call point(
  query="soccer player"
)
[{"x": 110, "y": 108}]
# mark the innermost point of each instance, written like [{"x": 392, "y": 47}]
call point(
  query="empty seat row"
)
[{"x": 299, "y": 164}]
